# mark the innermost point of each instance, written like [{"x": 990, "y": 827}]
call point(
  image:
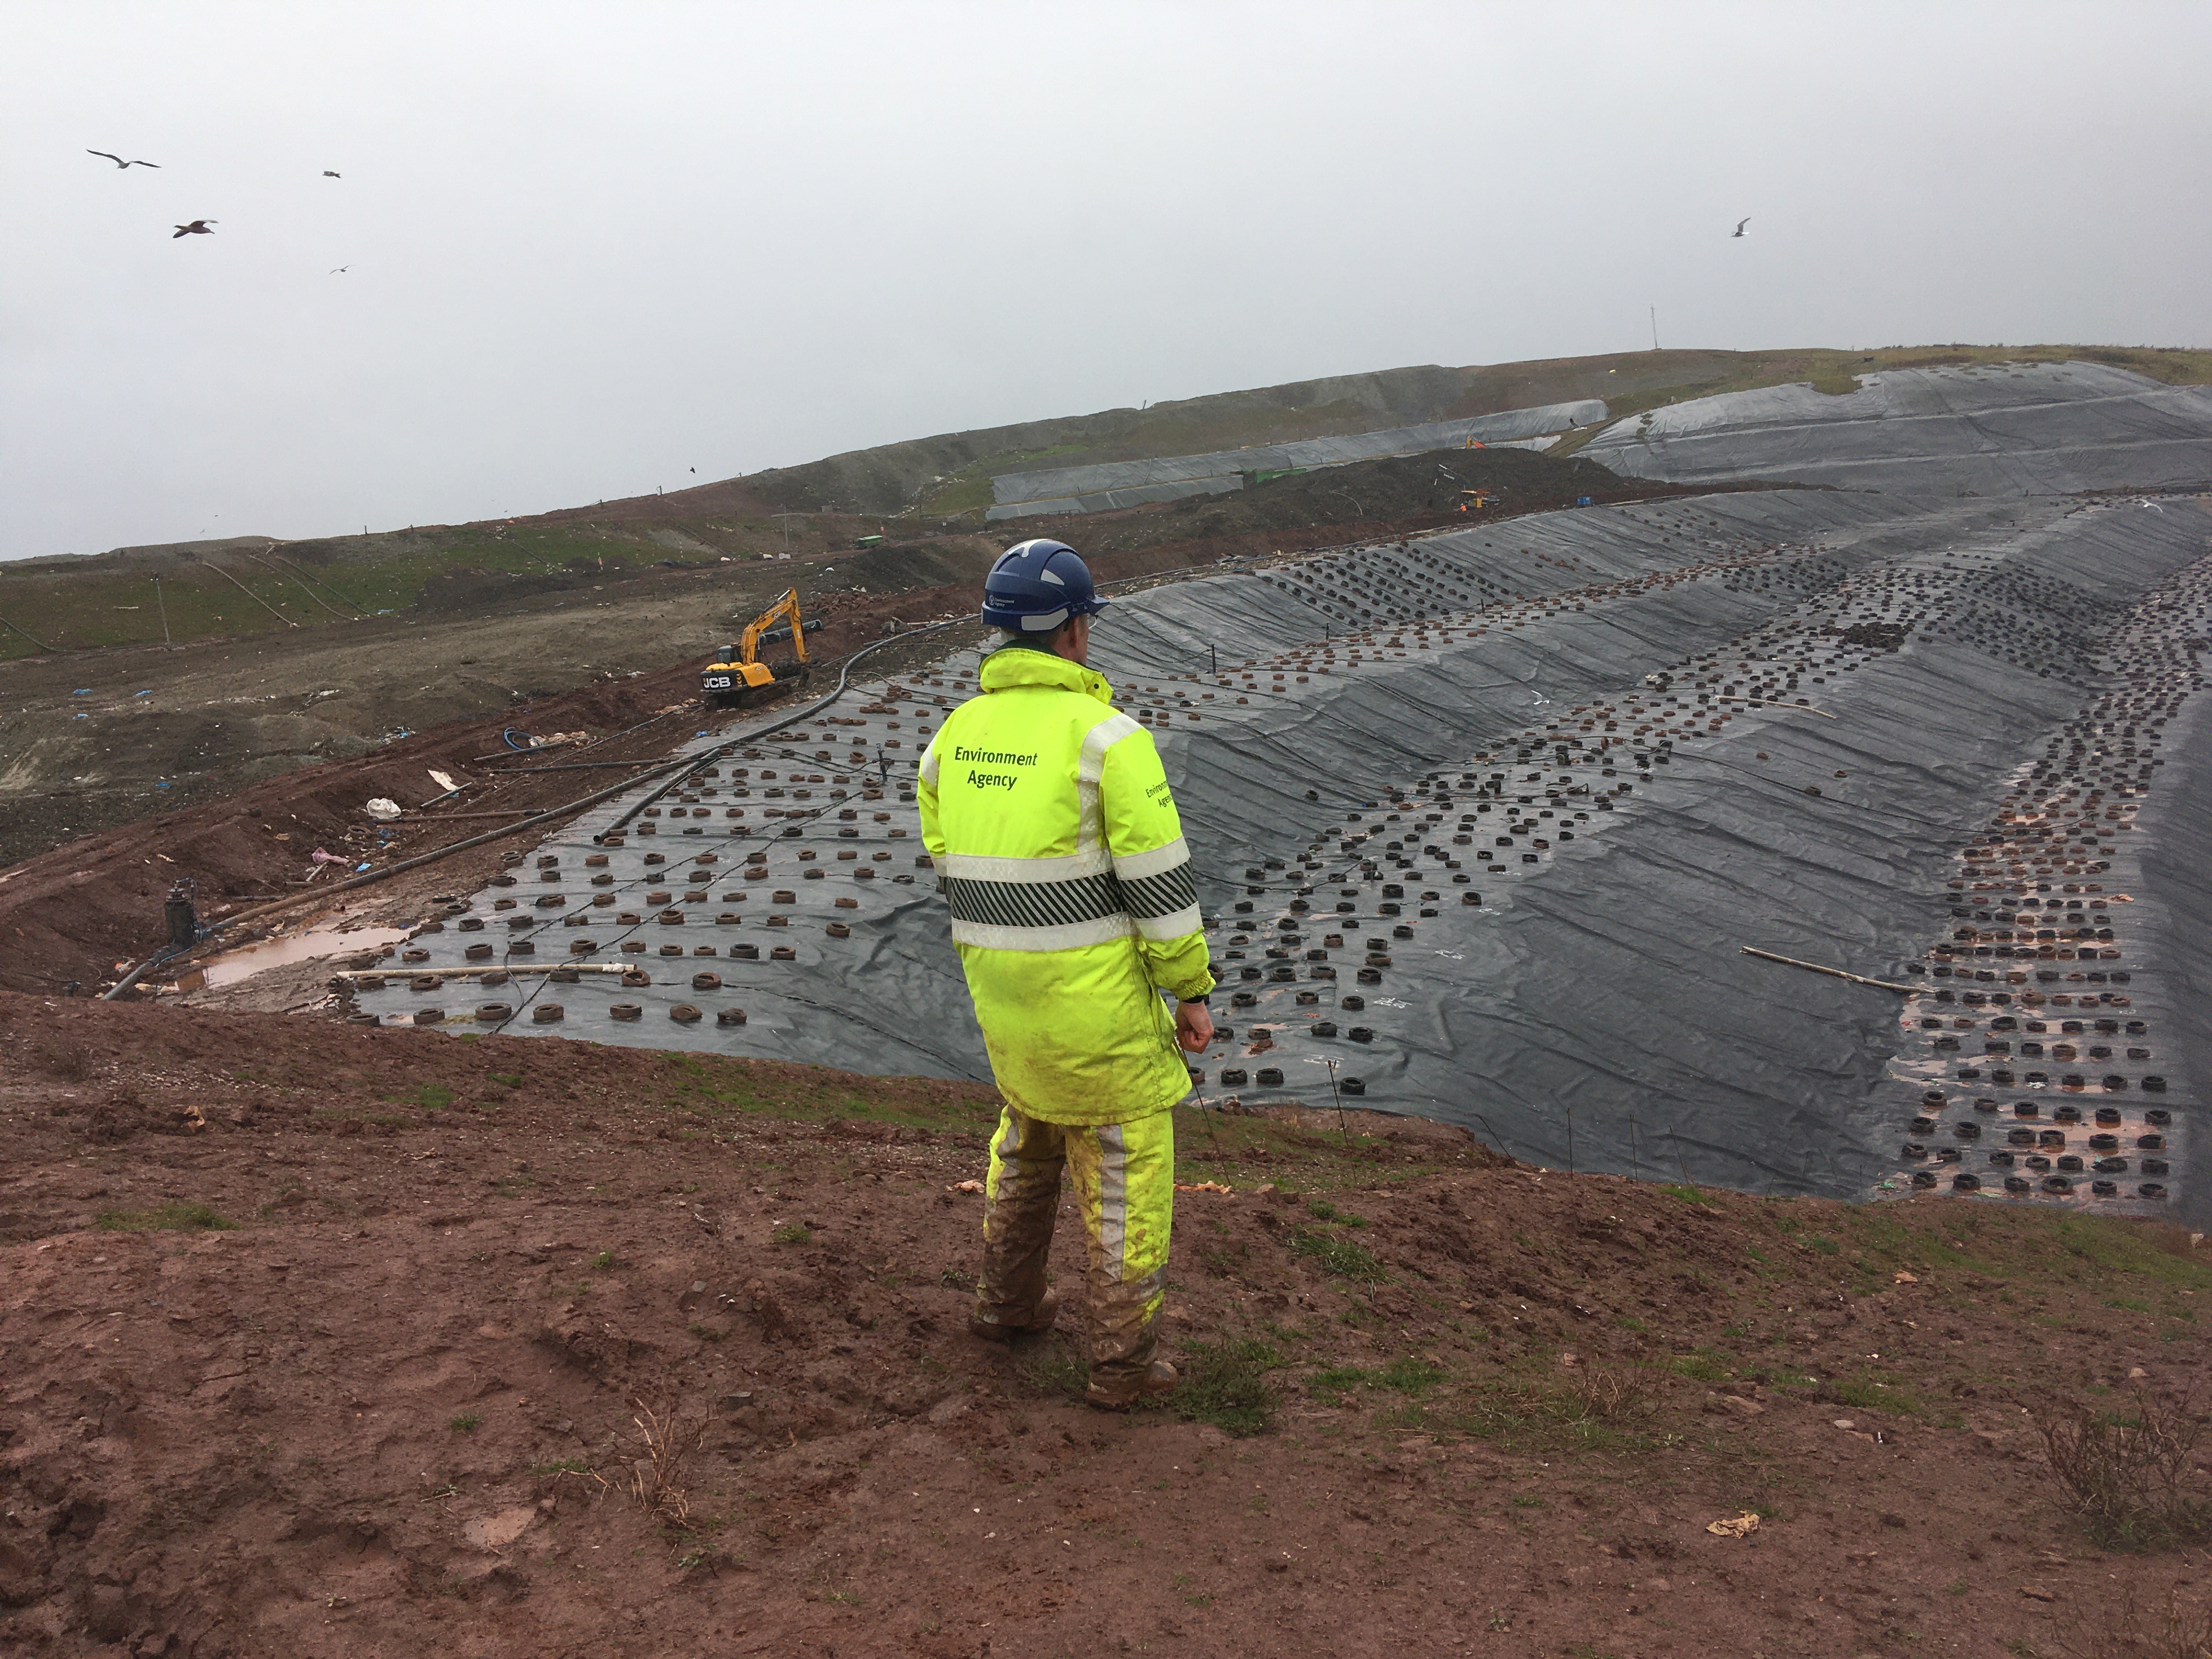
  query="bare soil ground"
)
[
  {"x": 316, "y": 1339},
  {"x": 97, "y": 739}
]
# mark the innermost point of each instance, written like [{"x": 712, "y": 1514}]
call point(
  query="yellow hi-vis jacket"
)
[{"x": 1057, "y": 844}]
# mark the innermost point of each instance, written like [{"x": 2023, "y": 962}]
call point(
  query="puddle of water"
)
[{"x": 248, "y": 960}]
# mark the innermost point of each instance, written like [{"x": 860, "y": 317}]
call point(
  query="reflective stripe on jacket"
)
[{"x": 1058, "y": 848}]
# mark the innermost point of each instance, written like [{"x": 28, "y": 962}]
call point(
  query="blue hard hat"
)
[{"x": 1036, "y": 586}]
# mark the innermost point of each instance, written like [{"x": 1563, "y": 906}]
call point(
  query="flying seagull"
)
[
  {"x": 197, "y": 228},
  {"x": 1740, "y": 224},
  {"x": 340, "y": 271},
  {"x": 327, "y": 174},
  {"x": 120, "y": 162}
]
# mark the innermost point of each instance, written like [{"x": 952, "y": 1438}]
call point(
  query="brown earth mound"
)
[
  {"x": 321, "y": 1340},
  {"x": 75, "y": 912}
]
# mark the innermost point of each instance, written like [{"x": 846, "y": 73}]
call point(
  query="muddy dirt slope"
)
[{"x": 320, "y": 1339}]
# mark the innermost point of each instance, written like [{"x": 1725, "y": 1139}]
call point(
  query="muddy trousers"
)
[{"x": 1123, "y": 1176}]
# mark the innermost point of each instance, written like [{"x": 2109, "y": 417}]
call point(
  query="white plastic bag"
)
[{"x": 383, "y": 810}]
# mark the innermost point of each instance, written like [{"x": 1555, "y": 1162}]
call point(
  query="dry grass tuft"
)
[
  {"x": 2132, "y": 1477},
  {"x": 657, "y": 1478},
  {"x": 1608, "y": 1392}
]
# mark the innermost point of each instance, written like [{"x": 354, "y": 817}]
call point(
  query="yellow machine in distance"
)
[{"x": 726, "y": 683}]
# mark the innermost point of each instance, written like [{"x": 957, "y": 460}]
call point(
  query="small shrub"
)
[
  {"x": 2132, "y": 1479},
  {"x": 793, "y": 1232},
  {"x": 601, "y": 1262},
  {"x": 464, "y": 1424},
  {"x": 2174, "y": 1629}
]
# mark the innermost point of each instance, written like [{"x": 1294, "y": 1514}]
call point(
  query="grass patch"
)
[
  {"x": 1051, "y": 1367},
  {"x": 466, "y": 1423},
  {"x": 1688, "y": 1194},
  {"x": 1336, "y": 1256},
  {"x": 793, "y": 1232},
  {"x": 1409, "y": 1375},
  {"x": 1330, "y": 1386},
  {"x": 1702, "y": 1365},
  {"x": 168, "y": 1219},
  {"x": 1867, "y": 1392},
  {"x": 601, "y": 1262},
  {"x": 1321, "y": 1210},
  {"x": 1225, "y": 1383}
]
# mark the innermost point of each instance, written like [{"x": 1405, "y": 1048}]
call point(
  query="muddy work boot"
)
[
  {"x": 992, "y": 1330},
  {"x": 1118, "y": 1393}
]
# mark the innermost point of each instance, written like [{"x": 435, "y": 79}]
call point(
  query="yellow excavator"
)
[{"x": 738, "y": 673}]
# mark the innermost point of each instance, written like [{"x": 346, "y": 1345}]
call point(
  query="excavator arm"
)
[
  {"x": 784, "y": 609},
  {"x": 726, "y": 683}
]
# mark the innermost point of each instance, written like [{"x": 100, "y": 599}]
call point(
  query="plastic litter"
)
[{"x": 382, "y": 810}]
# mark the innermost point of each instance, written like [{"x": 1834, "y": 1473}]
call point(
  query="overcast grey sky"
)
[{"x": 591, "y": 245}]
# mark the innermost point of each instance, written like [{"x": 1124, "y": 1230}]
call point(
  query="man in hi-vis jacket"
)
[{"x": 1057, "y": 845}]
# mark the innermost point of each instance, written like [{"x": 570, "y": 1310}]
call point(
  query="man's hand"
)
[{"x": 1194, "y": 1026}]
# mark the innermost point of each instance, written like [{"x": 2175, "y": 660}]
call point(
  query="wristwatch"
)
[{"x": 1206, "y": 1001}]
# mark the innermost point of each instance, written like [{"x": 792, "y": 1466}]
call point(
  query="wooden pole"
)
[{"x": 1834, "y": 973}]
